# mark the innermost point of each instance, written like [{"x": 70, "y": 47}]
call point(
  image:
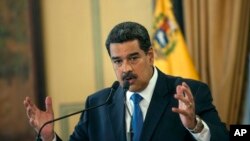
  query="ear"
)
[{"x": 151, "y": 55}]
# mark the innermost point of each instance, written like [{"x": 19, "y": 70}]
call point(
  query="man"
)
[{"x": 169, "y": 108}]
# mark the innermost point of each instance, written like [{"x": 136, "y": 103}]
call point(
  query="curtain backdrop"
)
[{"x": 217, "y": 32}]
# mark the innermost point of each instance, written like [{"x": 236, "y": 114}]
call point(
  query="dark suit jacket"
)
[{"x": 107, "y": 123}]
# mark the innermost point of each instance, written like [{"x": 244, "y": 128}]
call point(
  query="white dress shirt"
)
[{"x": 147, "y": 93}]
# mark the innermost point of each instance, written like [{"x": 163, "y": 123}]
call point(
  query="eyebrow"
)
[{"x": 132, "y": 54}]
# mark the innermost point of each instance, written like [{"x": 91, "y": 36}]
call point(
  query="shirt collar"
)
[{"x": 148, "y": 91}]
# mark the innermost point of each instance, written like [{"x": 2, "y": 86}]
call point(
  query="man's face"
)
[{"x": 132, "y": 64}]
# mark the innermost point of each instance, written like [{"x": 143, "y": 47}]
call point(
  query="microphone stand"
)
[
  {"x": 125, "y": 89},
  {"x": 38, "y": 138},
  {"x": 113, "y": 89}
]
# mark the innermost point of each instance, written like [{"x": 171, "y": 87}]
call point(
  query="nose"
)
[{"x": 126, "y": 67}]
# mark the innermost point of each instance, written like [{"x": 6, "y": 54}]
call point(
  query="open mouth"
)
[
  {"x": 130, "y": 80},
  {"x": 130, "y": 77}
]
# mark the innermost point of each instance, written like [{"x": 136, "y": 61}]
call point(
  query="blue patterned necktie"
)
[{"x": 137, "y": 118}]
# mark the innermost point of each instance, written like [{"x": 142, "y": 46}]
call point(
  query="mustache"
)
[{"x": 128, "y": 75}]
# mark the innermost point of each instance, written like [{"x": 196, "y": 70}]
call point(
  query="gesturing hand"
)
[
  {"x": 186, "y": 107},
  {"x": 38, "y": 117}
]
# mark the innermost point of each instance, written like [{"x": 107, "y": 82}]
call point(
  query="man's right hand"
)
[{"x": 38, "y": 117}]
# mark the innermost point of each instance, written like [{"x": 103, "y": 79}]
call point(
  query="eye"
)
[
  {"x": 133, "y": 58},
  {"x": 117, "y": 61}
]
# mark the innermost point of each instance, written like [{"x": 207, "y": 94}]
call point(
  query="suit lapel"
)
[
  {"x": 161, "y": 97},
  {"x": 164, "y": 90},
  {"x": 117, "y": 115}
]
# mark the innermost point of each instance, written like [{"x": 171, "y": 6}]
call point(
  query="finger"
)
[
  {"x": 26, "y": 101},
  {"x": 32, "y": 122},
  {"x": 180, "y": 111},
  {"x": 30, "y": 107},
  {"x": 48, "y": 103},
  {"x": 30, "y": 112},
  {"x": 185, "y": 84},
  {"x": 180, "y": 96},
  {"x": 182, "y": 99},
  {"x": 187, "y": 91},
  {"x": 179, "y": 90}
]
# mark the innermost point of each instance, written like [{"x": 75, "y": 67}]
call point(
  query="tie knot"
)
[{"x": 136, "y": 98}]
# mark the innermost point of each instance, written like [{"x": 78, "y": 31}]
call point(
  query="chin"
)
[{"x": 134, "y": 89}]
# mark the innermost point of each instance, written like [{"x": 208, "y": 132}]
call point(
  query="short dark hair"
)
[{"x": 129, "y": 31}]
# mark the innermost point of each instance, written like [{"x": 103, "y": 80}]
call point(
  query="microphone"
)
[
  {"x": 125, "y": 86},
  {"x": 125, "y": 89},
  {"x": 114, "y": 87}
]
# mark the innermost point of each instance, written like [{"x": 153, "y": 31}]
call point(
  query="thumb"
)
[{"x": 48, "y": 104}]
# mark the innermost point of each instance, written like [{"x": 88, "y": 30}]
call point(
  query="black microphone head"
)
[
  {"x": 126, "y": 85},
  {"x": 112, "y": 91},
  {"x": 115, "y": 85}
]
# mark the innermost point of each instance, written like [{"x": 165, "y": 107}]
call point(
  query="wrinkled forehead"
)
[{"x": 125, "y": 48}]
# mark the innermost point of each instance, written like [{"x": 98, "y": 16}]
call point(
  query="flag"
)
[{"x": 172, "y": 56}]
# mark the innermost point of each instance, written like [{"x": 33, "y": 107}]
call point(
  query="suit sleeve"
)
[
  {"x": 207, "y": 111},
  {"x": 81, "y": 129}
]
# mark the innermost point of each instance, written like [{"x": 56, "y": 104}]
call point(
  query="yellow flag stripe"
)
[{"x": 172, "y": 56}]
